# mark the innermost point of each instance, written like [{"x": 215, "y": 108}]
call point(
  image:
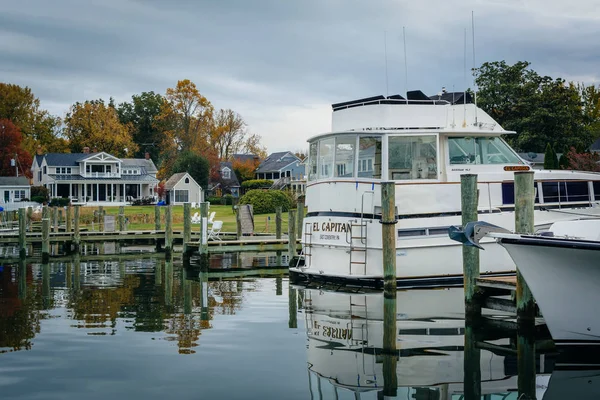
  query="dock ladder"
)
[
  {"x": 360, "y": 336},
  {"x": 358, "y": 240},
  {"x": 307, "y": 245}
]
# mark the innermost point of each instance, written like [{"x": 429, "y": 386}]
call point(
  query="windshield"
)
[{"x": 481, "y": 150}]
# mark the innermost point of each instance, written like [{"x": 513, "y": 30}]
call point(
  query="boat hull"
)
[{"x": 564, "y": 277}]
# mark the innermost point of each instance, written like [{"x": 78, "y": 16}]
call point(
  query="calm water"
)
[{"x": 143, "y": 328}]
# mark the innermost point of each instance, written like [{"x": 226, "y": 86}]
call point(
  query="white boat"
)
[
  {"x": 345, "y": 345},
  {"x": 423, "y": 146},
  {"x": 563, "y": 273}
]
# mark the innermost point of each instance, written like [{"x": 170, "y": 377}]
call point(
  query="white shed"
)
[
  {"x": 14, "y": 189},
  {"x": 182, "y": 188}
]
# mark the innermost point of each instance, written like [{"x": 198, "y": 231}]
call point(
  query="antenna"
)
[
  {"x": 405, "y": 65},
  {"x": 474, "y": 80},
  {"x": 387, "y": 90},
  {"x": 465, "y": 83}
]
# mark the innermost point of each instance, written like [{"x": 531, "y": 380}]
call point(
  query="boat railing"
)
[{"x": 390, "y": 101}]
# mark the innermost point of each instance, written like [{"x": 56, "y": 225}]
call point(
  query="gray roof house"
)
[
  {"x": 14, "y": 189},
  {"x": 228, "y": 182},
  {"x": 182, "y": 188},
  {"x": 95, "y": 177},
  {"x": 279, "y": 165}
]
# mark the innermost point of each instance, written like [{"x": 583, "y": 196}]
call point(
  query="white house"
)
[
  {"x": 182, "y": 188},
  {"x": 14, "y": 189},
  {"x": 95, "y": 177}
]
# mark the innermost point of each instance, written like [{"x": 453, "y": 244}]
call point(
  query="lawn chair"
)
[
  {"x": 211, "y": 217},
  {"x": 196, "y": 218},
  {"x": 215, "y": 230}
]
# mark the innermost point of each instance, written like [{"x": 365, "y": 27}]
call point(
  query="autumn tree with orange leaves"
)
[{"x": 10, "y": 143}]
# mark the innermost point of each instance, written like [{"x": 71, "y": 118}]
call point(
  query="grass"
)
[{"x": 142, "y": 218}]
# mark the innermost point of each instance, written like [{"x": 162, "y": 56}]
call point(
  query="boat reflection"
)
[{"x": 346, "y": 350}]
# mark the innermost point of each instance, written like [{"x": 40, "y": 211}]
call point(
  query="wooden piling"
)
[
  {"x": 291, "y": 235},
  {"x": 524, "y": 224},
  {"x": 22, "y": 276},
  {"x": 203, "y": 249},
  {"x": 45, "y": 234},
  {"x": 278, "y": 211},
  {"x": 469, "y": 200},
  {"x": 300, "y": 215},
  {"x": 187, "y": 225},
  {"x": 76, "y": 235},
  {"x": 279, "y": 286},
  {"x": 69, "y": 218},
  {"x": 390, "y": 351},
  {"x": 388, "y": 234},
  {"x": 168, "y": 280},
  {"x": 54, "y": 219},
  {"x": 292, "y": 308},
  {"x": 121, "y": 218},
  {"x": 238, "y": 223},
  {"x": 22, "y": 233},
  {"x": 168, "y": 232},
  {"x": 187, "y": 290},
  {"x": 101, "y": 218},
  {"x": 29, "y": 218},
  {"x": 471, "y": 364},
  {"x": 157, "y": 218}
]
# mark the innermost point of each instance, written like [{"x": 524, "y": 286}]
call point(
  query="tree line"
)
[{"x": 178, "y": 129}]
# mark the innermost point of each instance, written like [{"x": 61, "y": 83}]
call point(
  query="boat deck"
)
[{"x": 498, "y": 282}]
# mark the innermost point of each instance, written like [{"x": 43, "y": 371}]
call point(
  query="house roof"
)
[
  {"x": 233, "y": 180},
  {"x": 14, "y": 181},
  {"x": 175, "y": 178},
  {"x": 244, "y": 157},
  {"x": 38, "y": 159},
  {"x": 277, "y": 161},
  {"x": 139, "y": 162},
  {"x": 63, "y": 159}
]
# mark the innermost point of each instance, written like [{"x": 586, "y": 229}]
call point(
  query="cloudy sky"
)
[{"x": 280, "y": 64}]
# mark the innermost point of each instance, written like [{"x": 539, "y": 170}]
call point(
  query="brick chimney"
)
[
  {"x": 147, "y": 156},
  {"x": 86, "y": 150}
]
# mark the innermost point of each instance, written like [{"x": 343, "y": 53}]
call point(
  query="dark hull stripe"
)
[{"x": 543, "y": 241}]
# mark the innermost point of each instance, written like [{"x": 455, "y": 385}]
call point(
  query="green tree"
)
[
  {"x": 540, "y": 109},
  {"x": 550, "y": 161},
  {"x": 194, "y": 164},
  {"x": 142, "y": 113},
  {"x": 563, "y": 160},
  {"x": 96, "y": 125}
]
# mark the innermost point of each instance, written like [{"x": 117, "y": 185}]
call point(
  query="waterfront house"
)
[
  {"x": 182, "y": 188},
  {"x": 91, "y": 177},
  {"x": 14, "y": 189},
  {"x": 227, "y": 182},
  {"x": 280, "y": 165}
]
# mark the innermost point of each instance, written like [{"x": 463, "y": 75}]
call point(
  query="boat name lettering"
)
[
  {"x": 337, "y": 333},
  {"x": 460, "y": 169},
  {"x": 332, "y": 227}
]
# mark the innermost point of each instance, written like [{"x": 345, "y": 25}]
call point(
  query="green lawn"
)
[{"x": 142, "y": 217}]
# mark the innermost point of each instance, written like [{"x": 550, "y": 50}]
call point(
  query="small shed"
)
[
  {"x": 182, "y": 188},
  {"x": 14, "y": 189}
]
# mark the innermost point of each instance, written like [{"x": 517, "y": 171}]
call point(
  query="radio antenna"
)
[
  {"x": 405, "y": 65},
  {"x": 474, "y": 65},
  {"x": 465, "y": 83},
  {"x": 387, "y": 86}
]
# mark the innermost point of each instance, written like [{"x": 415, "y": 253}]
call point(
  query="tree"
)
[
  {"x": 195, "y": 165},
  {"x": 540, "y": 109},
  {"x": 95, "y": 125},
  {"x": 585, "y": 161},
  {"x": 142, "y": 113},
  {"x": 253, "y": 146},
  {"x": 563, "y": 161},
  {"x": 37, "y": 126},
  {"x": 227, "y": 133},
  {"x": 550, "y": 161},
  {"x": 244, "y": 170},
  {"x": 10, "y": 143}
]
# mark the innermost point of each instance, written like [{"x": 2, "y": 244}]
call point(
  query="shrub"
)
[
  {"x": 214, "y": 200},
  {"x": 38, "y": 199},
  {"x": 59, "y": 202},
  {"x": 266, "y": 201},
  {"x": 257, "y": 184},
  {"x": 39, "y": 191},
  {"x": 227, "y": 200}
]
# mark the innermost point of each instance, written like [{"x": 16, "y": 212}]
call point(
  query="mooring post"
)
[
  {"x": 22, "y": 233},
  {"x": 54, "y": 219},
  {"x": 187, "y": 226},
  {"x": 472, "y": 363},
  {"x": 29, "y": 219},
  {"x": 292, "y": 308},
  {"x": 300, "y": 215},
  {"x": 22, "y": 276},
  {"x": 187, "y": 291},
  {"x": 76, "y": 235},
  {"x": 203, "y": 249},
  {"x": 524, "y": 224},
  {"x": 69, "y": 218},
  {"x": 278, "y": 211},
  {"x": 469, "y": 200},
  {"x": 121, "y": 218},
  {"x": 100, "y": 218},
  {"x": 291, "y": 235},
  {"x": 45, "y": 234},
  {"x": 168, "y": 232},
  {"x": 279, "y": 286},
  {"x": 238, "y": 222},
  {"x": 157, "y": 218},
  {"x": 168, "y": 280},
  {"x": 388, "y": 234}
]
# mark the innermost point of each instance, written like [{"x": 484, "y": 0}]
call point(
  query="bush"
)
[
  {"x": 257, "y": 184},
  {"x": 39, "y": 191},
  {"x": 266, "y": 201},
  {"x": 59, "y": 202},
  {"x": 227, "y": 200},
  {"x": 38, "y": 199},
  {"x": 214, "y": 200}
]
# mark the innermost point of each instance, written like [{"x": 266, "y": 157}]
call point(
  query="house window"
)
[
  {"x": 226, "y": 173},
  {"x": 45, "y": 170},
  {"x": 181, "y": 196},
  {"x": 187, "y": 180},
  {"x": 87, "y": 168},
  {"x": 19, "y": 195},
  {"x": 40, "y": 176}
]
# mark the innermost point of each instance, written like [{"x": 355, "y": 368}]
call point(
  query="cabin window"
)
[
  {"x": 508, "y": 193},
  {"x": 597, "y": 190},
  {"x": 312, "y": 161},
  {"x": 344, "y": 156},
  {"x": 578, "y": 191},
  {"x": 369, "y": 149},
  {"x": 412, "y": 157},
  {"x": 326, "y": 151},
  {"x": 480, "y": 150}
]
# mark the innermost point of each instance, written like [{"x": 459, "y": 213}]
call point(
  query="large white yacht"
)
[{"x": 424, "y": 146}]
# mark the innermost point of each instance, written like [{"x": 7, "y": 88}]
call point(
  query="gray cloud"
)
[{"x": 280, "y": 63}]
